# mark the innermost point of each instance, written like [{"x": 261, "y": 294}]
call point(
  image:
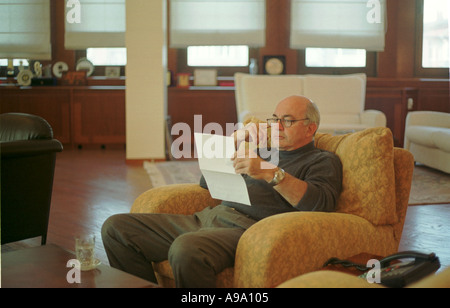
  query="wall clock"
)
[{"x": 274, "y": 65}]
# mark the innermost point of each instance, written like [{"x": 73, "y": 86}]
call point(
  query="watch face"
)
[{"x": 274, "y": 66}]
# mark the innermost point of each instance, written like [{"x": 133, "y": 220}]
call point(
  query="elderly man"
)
[{"x": 202, "y": 245}]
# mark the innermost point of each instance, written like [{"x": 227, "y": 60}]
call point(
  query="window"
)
[
  {"x": 16, "y": 62},
  {"x": 107, "y": 56},
  {"x": 335, "y": 57},
  {"x": 338, "y": 24},
  {"x": 217, "y": 56},
  {"x": 103, "y": 24},
  {"x": 435, "y": 47},
  {"x": 25, "y": 29},
  {"x": 338, "y": 37},
  {"x": 217, "y": 22}
]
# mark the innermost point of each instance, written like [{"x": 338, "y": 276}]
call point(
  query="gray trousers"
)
[{"x": 198, "y": 246}]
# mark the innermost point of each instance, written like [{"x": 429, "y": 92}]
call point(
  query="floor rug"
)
[
  {"x": 429, "y": 186},
  {"x": 173, "y": 172}
]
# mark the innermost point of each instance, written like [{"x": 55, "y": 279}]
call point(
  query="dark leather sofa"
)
[{"x": 28, "y": 153}]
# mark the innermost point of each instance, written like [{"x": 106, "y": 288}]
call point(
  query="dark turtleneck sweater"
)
[{"x": 321, "y": 170}]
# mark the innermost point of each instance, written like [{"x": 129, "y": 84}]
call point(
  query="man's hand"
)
[
  {"x": 246, "y": 161},
  {"x": 256, "y": 133}
]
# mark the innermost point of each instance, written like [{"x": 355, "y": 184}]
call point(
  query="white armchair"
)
[
  {"x": 258, "y": 95},
  {"x": 341, "y": 99},
  {"x": 427, "y": 137}
]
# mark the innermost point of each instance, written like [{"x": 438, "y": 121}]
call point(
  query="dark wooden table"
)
[{"x": 46, "y": 267}]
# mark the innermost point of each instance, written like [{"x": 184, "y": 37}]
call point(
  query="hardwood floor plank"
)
[
  {"x": 89, "y": 187},
  {"x": 427, "y": 229}
]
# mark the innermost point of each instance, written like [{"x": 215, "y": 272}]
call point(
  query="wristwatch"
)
[{"x": 278, "y": 177}]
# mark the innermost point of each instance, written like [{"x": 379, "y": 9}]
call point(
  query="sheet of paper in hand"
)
[{"x": 214, "y": 158}]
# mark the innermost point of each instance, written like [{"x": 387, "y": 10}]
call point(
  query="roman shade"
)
[
  {"x": 102, "y": 24},
  {"x": 356, "y": 24},
  {"x": 25, "y": 29},
  {"x": 217, "y": 22}
]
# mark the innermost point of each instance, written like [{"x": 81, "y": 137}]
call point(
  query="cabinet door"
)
[
  {"x": 199, "y": 109},
  {"x": 98, "y": 117},
  {"x": 393, "y": 102},
  {"x": 50, "y": 103}
]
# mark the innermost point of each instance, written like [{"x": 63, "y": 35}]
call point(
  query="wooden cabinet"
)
[
  {"x": 98, "y": 116},
  {"x": 199, "y": 108},
  {"x": 79, "y": 116},
  {"x": 52, "y": 105},
  {"x": 95, "y": 115},
  {"x": 394, "y": 103}
]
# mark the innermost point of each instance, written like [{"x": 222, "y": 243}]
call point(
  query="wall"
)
[{"x": 145, "y": 83}]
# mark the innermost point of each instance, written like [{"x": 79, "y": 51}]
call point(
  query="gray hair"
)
[{"x": 313, "y": 114}]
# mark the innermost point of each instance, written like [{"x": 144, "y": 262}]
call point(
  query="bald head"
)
[
  {"x": 301, "y": 107},
  {"x": 301, "y": 118}
]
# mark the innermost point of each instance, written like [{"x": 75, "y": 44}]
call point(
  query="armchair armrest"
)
[
  {"x": 428, "y": 118},
  {"x": 21, "y": 148},
  {"x": 373, "y": 118},
  {"x": 284, "y": 246},
  {"x": 183, "y": 199}
]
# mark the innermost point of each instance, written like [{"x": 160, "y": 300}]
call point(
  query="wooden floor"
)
[{"x": 91, "y": 185}]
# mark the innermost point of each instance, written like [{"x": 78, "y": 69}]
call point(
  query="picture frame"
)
[
  {"x": 205, "y": 77},
  {"x": 183, "y": 80}
]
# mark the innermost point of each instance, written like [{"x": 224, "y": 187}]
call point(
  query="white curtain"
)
[
  {"x": 217, "y": 22},
  {"x": 357, "y": 24},
  {"x": 102, "y": 24},
  {"x": 25, "y": 29}
]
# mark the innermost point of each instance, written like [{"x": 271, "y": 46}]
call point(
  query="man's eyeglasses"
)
[{"x": 285, "y": 122}]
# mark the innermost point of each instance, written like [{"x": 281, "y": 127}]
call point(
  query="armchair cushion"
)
[{"x": 368, "y": 168}]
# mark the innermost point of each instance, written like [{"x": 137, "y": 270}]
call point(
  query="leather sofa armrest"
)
[
  {"x": 23, "y": 148},
  {"x": 183, "y": 199},
  {"x": 284, "y": 246}
]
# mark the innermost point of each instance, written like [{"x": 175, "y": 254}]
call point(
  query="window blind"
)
[
  {"x": 25, "y": 29},
  {"x": 102, "y": 24},
  {"x": 357, "y": 24},
  {"x": 217, "y": 22}
]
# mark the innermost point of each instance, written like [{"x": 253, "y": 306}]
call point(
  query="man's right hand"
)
[{"x": 255, "y": 133}]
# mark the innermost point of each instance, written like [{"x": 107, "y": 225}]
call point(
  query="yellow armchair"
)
[{"x": 369, "y": 218}]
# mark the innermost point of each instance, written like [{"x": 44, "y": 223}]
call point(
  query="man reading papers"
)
[{"x": 202, "y": 245}]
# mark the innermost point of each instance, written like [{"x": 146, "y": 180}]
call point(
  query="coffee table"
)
[{"x": 45, "y": 267}]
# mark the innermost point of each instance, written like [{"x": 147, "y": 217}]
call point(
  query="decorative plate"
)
[
  {"x": 85, "y": 65},
  {"x": 24, "y": 77},
  {"x": 59, "y": 68}
]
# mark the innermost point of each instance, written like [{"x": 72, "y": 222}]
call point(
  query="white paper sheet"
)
[{"x": 214, "y": 158}]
